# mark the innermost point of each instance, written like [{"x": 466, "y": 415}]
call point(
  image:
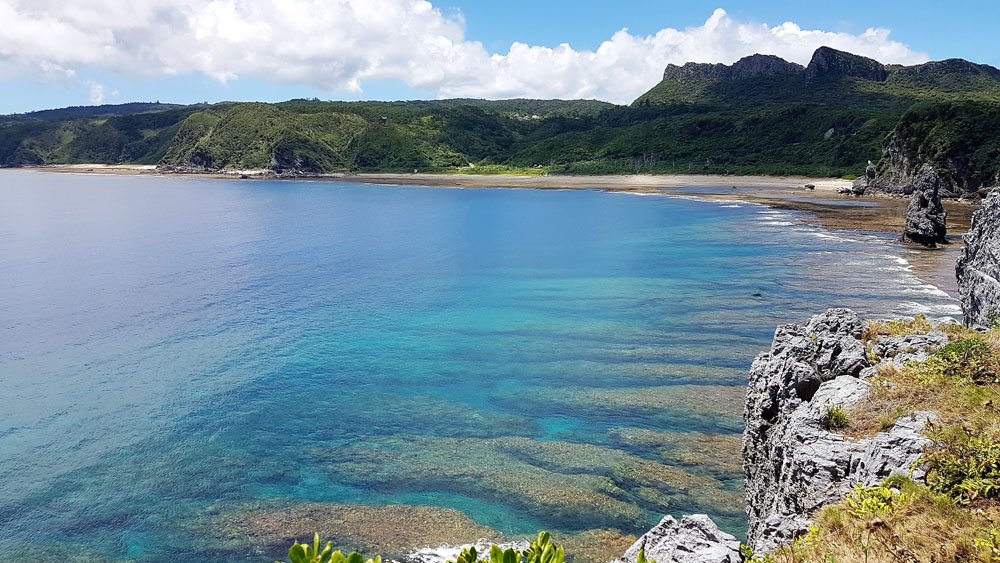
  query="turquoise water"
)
[{"x": 179, "y": 353}]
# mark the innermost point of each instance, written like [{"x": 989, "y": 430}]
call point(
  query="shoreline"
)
[{"x": 822, "y": 205}]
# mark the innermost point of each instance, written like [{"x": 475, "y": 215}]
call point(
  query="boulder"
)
[
  {"x": 925, "y": 216},
  {"x": 695, "y": 539},
  {"x": 978, "y": 267}
]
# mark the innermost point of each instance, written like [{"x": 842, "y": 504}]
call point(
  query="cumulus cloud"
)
[
  {"x": 337, "y": 45},
  {"x": 97, "y": 94}
]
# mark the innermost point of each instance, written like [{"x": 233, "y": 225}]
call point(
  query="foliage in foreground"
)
[
  {"x": 317, "y": 553},
  {"x": 541, "y": 550}
]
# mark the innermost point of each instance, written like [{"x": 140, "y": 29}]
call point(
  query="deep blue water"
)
[{"x": 173, "y": 352}]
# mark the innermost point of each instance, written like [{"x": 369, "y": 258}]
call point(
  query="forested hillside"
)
[{"x": 761, "y": 115}]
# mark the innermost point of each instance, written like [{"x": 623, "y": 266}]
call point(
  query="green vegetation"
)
[
  {"x": 835, "y": 418},
  {"x": 541, "y": 550},
  {"x": 944, "y": 113},
  {"x": 957, "y": 137},
  {"x": 305, "y": 553}
]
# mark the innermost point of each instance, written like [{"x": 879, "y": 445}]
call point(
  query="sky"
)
[{"x": 55, "y": 53}]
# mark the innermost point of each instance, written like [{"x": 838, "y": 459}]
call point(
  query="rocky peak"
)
[
  {"x": 695, "y": 71},
  {"x": 748, "y": 67},
  {"x": 827, "y": 62},
  {"x": 949, "y": 67},
  {"x": 762, "y": 65}
]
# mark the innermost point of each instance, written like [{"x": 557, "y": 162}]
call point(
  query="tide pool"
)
[{"x": 197, "y": 370}]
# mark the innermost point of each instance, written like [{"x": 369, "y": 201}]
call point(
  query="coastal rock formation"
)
[
  {"x": 695, "y": 539},
  {"x": 925, "y": 216},
  {"x": 752, "y": 66},
  {"x": 793, "y": 465},
  {"x": 978, "y": 267},
  {"x": 831, "y": 62}
]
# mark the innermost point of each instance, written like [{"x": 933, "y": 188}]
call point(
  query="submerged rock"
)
[
  {"x": 793, "y": 465},
  {"x": 695, "y": 539},
  {"x": 925, "y": 216},
  {"x": 978, "y": 267}
]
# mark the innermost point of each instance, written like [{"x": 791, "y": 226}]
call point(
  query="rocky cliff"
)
[
  {"x": 831, "y": 62},
  {"x": 752, "y": 66},
  {"x": 958, "y": 140},
  {"x": 978, "y": 267},
  {"x": 794, "y": 464}
]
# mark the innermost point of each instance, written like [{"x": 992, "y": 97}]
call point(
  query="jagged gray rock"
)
[
  {"x": 978, "y": 267},
  {"x": 444, "y": 553},
  {"x": 912, "y": 347},
  {"x": 695, "y": 539},
  {"x": 752, "y": 66},
  {"x": 828, "y": 62},
  {"x": 926, "y": 219},
  {"x": 793, "y": 465}
]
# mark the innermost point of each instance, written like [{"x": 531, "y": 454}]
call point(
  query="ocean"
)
[{"x": 199, "y": 370}]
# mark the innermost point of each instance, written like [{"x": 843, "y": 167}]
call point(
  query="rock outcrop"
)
[
  {"x": 695, "y": 539},
  {"x": 978, "y": 267},
  {"x": 752, "y": 66},
  {"x": 926, "y": 219},
  {"x": 793, "y": 465},
  {"x": 828, "y": 62}
]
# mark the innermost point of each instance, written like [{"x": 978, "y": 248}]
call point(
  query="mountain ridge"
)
[{"x": 761, "y": 115}]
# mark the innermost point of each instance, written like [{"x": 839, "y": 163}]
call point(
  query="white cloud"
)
[
  {"x": 97, "y": 94},
  {"x": 336, "y": 45}
]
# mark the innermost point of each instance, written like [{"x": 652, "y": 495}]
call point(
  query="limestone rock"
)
[
  {"x": 925, "y": 216},
  {"x": 827, "y": 62},
  {"x": 894, "y": 452},
  {"x": 445, "y": 553},
  {"x": 793, "y": 465},
  {"x": 695, "y": 539},
  {"x": 752, "y": 66},
  {"x": 978, "y": 267},
  {"x": 912, "y": 347}
]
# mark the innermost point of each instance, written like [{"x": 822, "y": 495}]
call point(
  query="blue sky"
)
[{"x": 398, "y": 49}]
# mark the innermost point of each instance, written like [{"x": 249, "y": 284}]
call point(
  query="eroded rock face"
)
[
  {"x": 831, "y": 62},
  {"x": 793, "y": 465},
  {"x": 978, "y": 267},
  {"x": 695, "y": 539},
  {"x": 926, "y": 219},
  {"x": 752, "y": 66}
]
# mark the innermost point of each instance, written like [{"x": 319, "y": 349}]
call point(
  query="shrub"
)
[
  {"x": 305, "y": 553},
  {"x": 880, "y": 500},
  {"x": 970, "y": 359},
  {"x": 965, "y": 469},
  {"x": 835, "y": 418},
  {"x": 542, "y": 550}
]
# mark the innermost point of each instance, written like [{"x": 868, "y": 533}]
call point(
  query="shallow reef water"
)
[{"x": 201, "y": 370}]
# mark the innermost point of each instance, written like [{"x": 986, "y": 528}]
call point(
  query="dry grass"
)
[
  {"x": 937, "y": 385},
  {"x": 926, "y": 527},
  {"x": 902, "y": 327}
]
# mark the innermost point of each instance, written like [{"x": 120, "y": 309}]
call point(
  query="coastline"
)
[{"x": 822, "y": 205}]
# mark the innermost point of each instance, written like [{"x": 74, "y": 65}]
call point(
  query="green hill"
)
[{"x": 761, "y": 115}]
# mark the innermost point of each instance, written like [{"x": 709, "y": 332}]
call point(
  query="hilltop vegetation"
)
[{"x": 761, "y": 115}]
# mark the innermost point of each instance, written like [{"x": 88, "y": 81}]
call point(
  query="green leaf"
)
[{"x": 297, "y": 553}]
